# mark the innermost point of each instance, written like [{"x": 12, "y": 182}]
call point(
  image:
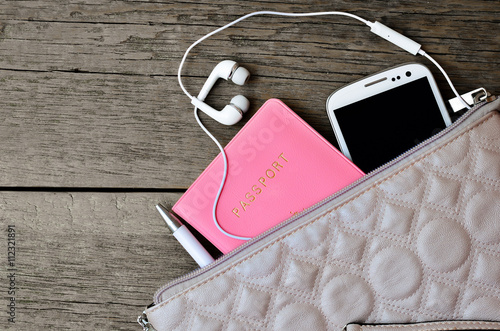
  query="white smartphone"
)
[{"x": 377, "y": 118}]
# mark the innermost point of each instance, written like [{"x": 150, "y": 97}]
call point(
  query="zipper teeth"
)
[{"x": 321, "y": 203}]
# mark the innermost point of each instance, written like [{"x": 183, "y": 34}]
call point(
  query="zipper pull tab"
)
[
  {"x": 143, "y": 321},
  {"x": 472, "y": 98}
]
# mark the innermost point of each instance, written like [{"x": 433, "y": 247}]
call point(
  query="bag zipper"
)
[
  {"x": 294, "y": 218},
  {"x": 143, "y": 321}
]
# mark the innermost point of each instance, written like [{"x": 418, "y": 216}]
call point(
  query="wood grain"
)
[
  {"x": 87, "y": 261},
  {"x": 90, "y": 97}
]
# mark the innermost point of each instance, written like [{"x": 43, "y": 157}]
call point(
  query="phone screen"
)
[{"x": 380, "y": 128}]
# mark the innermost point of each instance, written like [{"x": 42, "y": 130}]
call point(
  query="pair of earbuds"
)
[{"x": 233, "y": 112}]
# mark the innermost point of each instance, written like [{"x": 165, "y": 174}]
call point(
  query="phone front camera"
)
[{"x": 408, "y": 73}]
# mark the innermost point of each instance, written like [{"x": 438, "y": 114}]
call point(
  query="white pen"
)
[{"x": 185, "y": 238}]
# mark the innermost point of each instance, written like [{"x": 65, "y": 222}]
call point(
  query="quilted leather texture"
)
[
  {"x": 422, "y": 244},
  {"x": 427, "y": 326}
]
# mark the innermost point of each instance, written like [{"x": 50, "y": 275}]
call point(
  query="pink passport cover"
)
[{"x": 278, "y": 166}]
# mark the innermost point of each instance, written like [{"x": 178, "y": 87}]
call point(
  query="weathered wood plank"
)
[
  {"x": 149, "y": 38},
  {"x": 123, "y": 41},
  {"x": 110, "y": 130},
  {"x": 86, "y": 261},
  {"x": 94, "y": 131},
  {"x": 90, "y": 98}
]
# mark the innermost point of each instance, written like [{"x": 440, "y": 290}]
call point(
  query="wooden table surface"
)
[{"x": 94, "y": 129}]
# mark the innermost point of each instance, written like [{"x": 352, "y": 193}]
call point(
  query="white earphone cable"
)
[
  {"x": 208, "y": 35},
  {"x": 223, "y": 181},
  {"x": 423, "y": 53},
  {"x": 370, "y": 24}
]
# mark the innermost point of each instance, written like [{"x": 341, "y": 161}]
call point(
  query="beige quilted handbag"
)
[{"x": 417, "y": 240}]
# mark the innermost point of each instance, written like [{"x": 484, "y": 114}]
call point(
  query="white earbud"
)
[{"x": 233, "y": 112}]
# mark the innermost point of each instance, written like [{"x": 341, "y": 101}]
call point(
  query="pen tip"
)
[
  {"x": 172, "y": 221},
  {"x": 160, "y": 208}
]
